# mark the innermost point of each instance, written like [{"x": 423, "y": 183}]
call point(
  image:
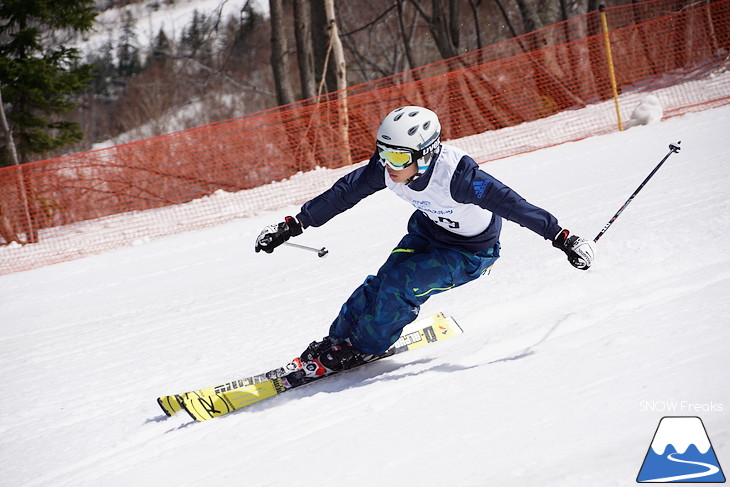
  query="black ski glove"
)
[
  {"x": 580, "y": 252},
  {"x": 275, "y": 235}
]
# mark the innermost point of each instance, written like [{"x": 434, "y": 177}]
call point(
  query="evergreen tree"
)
[
  {"x": 38, "y": 79},
  {"x": 196, "y": 39},
  {"x": 128, "y": 52},
  {"x": 161, "y": 49},
  {"x": 102, "y": 85}
]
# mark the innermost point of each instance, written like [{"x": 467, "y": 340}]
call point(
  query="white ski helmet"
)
[{"x": 409, "y": 131}]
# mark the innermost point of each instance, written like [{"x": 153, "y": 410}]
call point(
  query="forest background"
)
[{"x": 219, "y": 65}]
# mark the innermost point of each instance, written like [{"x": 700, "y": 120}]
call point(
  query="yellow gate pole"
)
[{"x": 611, "y": 72}]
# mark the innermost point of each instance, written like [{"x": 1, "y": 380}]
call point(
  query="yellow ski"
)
[
  {"x": 216, "y": 401},
  {"x": 169, "y": 404},
  {"x": 173, "y": 404}
]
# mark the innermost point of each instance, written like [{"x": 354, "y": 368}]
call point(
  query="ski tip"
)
[
  {"x": 187, "y": 403},
  {"x": 170, "y": 405}
]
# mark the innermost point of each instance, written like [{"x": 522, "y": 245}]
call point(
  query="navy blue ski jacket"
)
[{"x": 460, "y": 181}]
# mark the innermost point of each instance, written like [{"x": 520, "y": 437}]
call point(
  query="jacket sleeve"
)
[
  {"x": 472, "y": 185},
  {"x": 344, "y": 194}
]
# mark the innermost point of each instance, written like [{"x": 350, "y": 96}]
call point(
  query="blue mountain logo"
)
[
  {"x": 480, "y": 187},
  {"x": 681, "y": 452}
]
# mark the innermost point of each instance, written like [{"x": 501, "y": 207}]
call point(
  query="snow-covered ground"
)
[{"x": 560, "y": 378}]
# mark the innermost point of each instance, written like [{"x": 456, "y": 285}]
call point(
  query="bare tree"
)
[
  {"x": 474, "y": 5},
  {"x": 335, "y": 46},
  {"x": 305, "y": 49},
  {"x": 279, "y": 62},
  {"x": 373, "y": 45},
  {"x": 338, "y": 56},
  {"x": 443, "y": 24},
  {"x": 407, "y": 34},
  {"x": 5, "y": 228}
]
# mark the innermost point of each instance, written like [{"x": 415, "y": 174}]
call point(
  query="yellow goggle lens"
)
[{"x": 396, "y": 159}]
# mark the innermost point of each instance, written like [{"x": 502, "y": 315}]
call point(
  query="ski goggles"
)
[{"x": 397, "y": 160}]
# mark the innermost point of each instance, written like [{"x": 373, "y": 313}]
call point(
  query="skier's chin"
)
[{"x": 397, "y": 176}]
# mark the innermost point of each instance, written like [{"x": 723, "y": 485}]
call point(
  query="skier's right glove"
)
[
  {"x": 580, "y": 252},
  {"x": 275, "y": 235}
]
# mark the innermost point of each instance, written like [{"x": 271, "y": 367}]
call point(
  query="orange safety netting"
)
[{"x": 553, "y": 72}]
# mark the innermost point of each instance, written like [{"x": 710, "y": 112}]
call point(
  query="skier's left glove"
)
[
  {"x": 580, "y": 252},
  {"x": 275, "y": 235}
]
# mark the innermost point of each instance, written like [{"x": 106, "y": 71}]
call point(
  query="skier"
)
[{"x": 452, "y": 239}]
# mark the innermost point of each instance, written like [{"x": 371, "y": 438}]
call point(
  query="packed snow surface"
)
[{"x": 561, "y": 376}]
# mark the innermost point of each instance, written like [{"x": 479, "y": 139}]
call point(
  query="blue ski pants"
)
[{"x": 377, "y": 311}]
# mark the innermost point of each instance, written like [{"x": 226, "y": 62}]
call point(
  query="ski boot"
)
[
  {"x": 329, "y": 356},
  {"x": 335, "y": 354}
]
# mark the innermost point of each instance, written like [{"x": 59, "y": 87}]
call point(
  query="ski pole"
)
[
  {"x": 320, "y": 252},
  {"x": 672, "y": 149}
]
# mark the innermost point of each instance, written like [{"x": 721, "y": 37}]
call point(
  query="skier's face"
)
[{"x": 402, "y": 175}]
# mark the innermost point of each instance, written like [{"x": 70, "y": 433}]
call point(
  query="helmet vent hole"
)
[
  {"x": 426, "y": 125},
  {"x": 413, "y": 114},
  {"x": 413, "y": 130},
  {"x": 397, "y": 117}
]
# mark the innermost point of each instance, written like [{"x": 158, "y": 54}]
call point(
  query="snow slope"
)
[{"x": 560, "y": 378}]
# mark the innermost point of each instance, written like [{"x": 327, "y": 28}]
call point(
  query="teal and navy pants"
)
[{"x": 374, "y": 315}]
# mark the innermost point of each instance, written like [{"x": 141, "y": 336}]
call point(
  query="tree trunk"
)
[
  {"x": 407, "y": 38},
  {"x": 530, "y": 18},
  {"x": 320, "y": 41},
  {"x": 477, "y": 27},
  {"x": 305, "y": 50},
  {"x": 30, "y": 232},
  {"x": 337, "y": 52},
  {"x": 338, "y": 56},
  {"x": 279, "y": 63},
  {"x": 443, "y": 26}
]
